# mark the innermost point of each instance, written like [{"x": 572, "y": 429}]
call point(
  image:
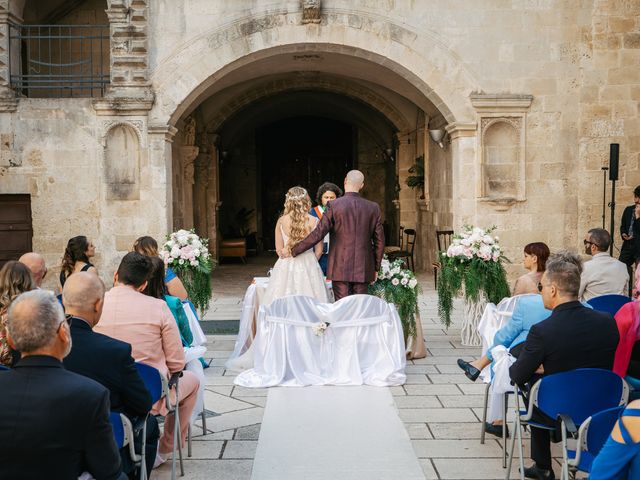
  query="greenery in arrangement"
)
[
  {"x": 416, "y": 180},
  {"x": 473, "y": 265},
  {"x": 188, "y": 255},
  {"x": 399, "y": 286}
]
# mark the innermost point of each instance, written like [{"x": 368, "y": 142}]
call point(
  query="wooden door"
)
[{"x": 16, "y": 228}]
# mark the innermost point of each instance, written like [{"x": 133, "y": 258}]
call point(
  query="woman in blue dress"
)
[
  {"x": 326, "y": 192},
  {"x": 619, "y": 459},
  {"x": 148, "y": 246}
]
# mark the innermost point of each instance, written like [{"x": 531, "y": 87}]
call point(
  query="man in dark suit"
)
[
  {"x": 574, "y": 336},
  {"x": 107, "y": 361},
  {"x": 356, "y": 239},
  {"x": 629, "y": 249},
  {"x": 55, "y": 423}
]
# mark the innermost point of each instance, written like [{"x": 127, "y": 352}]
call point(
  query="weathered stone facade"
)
[{"x": 530, "y": 92}]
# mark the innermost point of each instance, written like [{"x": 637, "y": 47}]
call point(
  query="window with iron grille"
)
[{"x": 53, "y": 61}]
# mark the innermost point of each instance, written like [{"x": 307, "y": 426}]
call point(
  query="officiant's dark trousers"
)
[{"x": 344, "y": 289}]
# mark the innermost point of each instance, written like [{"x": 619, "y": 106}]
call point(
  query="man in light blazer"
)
[
  {"x": 356, "y": 238},
  {"x": 604, "y": 274}
]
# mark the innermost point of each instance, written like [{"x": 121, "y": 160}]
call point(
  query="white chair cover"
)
[
  {"x": 199, "y": 338},
  {"x": 493, "y": 319},
  {"x": 364, "y": 344}
]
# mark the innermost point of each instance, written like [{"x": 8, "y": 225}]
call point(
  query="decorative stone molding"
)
[
  {"x": 501, "y": 147},
  {"x": 8, "y": 100},
  {"x": 311, "y": 11},
  {"x": 188, "y": 155},
  {"x": 130, "y": 89},
  {"x": 461, "y": 129},
  {"x": 167, "y": 131},
  {"x": 136, "y": 125}
]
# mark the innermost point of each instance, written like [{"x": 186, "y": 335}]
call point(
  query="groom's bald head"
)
[{"x": 354, "y": 181}]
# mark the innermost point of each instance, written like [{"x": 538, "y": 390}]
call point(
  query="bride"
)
[{"x": 299, "y": 275}]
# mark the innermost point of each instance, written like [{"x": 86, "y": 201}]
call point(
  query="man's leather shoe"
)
[
  {"x": 470, "y": 371},
  {"x": 495, "y": 429},
  {"x": 538, "y": 473}
]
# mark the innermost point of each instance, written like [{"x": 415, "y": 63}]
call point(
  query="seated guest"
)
[
  {"x": 574, "y": 336},
  {"x": 35, "y": 263},
  {"x": 529, "y": 310},
  {"x": 76, "y": 257},
  {"x": 535, "y": 259},
  {"x": 15, "y": 278},
  {"x": 604, "y": 274},
  {"x": 619, "y": 458},
  {"x": 627, "y": 360},
  {"x": 147, "y": 325},
  {"x": 149, "y": 247},
  {"x": 106, "y": 360},
  {"x": 55, "y": 423}
]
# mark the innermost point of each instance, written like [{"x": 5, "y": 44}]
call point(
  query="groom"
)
[{"x": 356, "y": 238}]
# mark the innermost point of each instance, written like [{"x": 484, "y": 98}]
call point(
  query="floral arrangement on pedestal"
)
[
  {"x": 473, "y": 265},
  {"x": 188, "y": 255},
  {"x": 399, "y": 286}
]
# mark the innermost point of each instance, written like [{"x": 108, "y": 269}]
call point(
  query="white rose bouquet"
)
[
  {"x": 473, "y": 263},
  {"x": 188, "y": 255},
  {"x": 399, "y": 286}
]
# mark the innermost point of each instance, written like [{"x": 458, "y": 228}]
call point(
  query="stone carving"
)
[
  {"x": 122, "y": 163},
  {"x": 188, "y": 173},
  {"x": 310, "y": 11},
  {"x": 190, "y": 132}
]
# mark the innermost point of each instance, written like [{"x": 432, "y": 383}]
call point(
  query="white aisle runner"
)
[{"x": 333, "y": 433}]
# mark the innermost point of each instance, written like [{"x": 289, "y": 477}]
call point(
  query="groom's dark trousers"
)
[
  {"x": 357, "y": 243},
  {"x": 344, "y": 289}
]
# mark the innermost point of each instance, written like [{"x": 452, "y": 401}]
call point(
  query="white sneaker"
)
[{"x": 160, "y": 459}]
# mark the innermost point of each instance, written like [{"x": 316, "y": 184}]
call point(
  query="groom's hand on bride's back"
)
[{"x": 283, "y": 252}]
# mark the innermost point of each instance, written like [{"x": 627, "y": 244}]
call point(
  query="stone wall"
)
[{"x": 565, "y": 71}]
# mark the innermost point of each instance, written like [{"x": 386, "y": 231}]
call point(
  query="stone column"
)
[
  {"x": 200, "y": 186},
  {"x": 213, "y": 197},
  {"x": 187, "y": 164},
  {"x": 160, "y": 138},
  {"x": 8, "y": 100},
  {"x": 465, "y": 173},
  {"x": 130, "y": 89},
  {"x": 405, "y": 158}
]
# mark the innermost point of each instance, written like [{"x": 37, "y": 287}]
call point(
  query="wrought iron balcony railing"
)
[{"x": 59, "y": 60}]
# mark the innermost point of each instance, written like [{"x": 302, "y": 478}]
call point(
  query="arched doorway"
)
[{"x": 336, "y": 106}]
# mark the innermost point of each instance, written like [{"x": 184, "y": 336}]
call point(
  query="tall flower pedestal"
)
[
  {"x": 473, "y": 311},
  {"x": 471, "y": 267}
]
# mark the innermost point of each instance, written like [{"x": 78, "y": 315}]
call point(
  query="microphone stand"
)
[
  {"x": 604, "y": 195},
  {"x": 612, "y": 204}
]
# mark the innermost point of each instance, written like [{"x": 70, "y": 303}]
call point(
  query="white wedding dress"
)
[{"x": 299, "y": 275}]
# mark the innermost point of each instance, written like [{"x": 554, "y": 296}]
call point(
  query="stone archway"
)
[{"x": 415, "y": 66}]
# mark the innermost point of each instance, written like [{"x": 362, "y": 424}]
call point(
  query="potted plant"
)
[
  {"x": 472, "y": 266},
  {"x": 416, "y": 181}
]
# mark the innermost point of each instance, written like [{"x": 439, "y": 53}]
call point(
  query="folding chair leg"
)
[
  {"x": 143, "y": 453},
  {"x": 204, "y": 423},
  {"x": 176, "y": 440},
  {"x": 505, "y": 400},
  {"x": 189, "y": 441},
  {"x": 516, "y": 425},
  {"x": 483, "y": 428}
]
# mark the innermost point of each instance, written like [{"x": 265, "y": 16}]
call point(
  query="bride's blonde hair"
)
[{"x": 297, "y": 205}]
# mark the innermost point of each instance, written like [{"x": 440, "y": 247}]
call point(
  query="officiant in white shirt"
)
[{"x": 603, "y": 275}]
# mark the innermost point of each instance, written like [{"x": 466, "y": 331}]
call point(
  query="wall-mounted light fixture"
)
[{"x": 438, "y": 136}]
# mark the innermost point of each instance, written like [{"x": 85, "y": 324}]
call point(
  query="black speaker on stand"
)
[{"x": 614, "y": 157}]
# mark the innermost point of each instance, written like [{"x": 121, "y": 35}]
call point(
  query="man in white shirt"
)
[{"x": 603, "y": 275}]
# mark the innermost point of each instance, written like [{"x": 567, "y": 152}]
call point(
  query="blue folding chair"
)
[
  {"x": 118, "y": 429},
  {"x": 592, "y": 436},
  {"x": 634, "y": 387},
  {"x": 570, "y": 397},
  {"x": 159, "y": 387},
  {"x": 609, "y": 303},
  {"x": 3, "y": 368}
]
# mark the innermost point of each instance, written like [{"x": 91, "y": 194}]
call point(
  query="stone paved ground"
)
[{"x": 440, "y": 407}]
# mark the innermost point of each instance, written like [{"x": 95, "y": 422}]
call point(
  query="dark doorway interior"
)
[
  {"x": 16, "y": 228},
  {"x": 305, "y": 151}
]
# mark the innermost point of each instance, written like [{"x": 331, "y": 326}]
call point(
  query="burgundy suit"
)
[{"x": 356, "y": 243}]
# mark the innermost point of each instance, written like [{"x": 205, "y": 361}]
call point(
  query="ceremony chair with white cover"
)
[
  {"x": 299, "y": 341},
  {"x": 493, "y": 319}
]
